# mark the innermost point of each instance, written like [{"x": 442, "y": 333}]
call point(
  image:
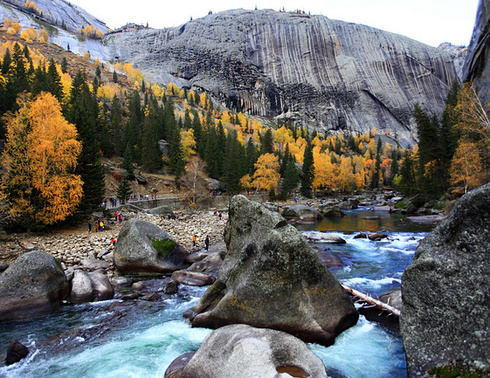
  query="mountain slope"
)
[
  {"x": 56, "y": 12},
  {"x": 330, "y": 74}
]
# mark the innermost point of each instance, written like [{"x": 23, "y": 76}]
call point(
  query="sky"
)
[{"x": 428, "y": 21}]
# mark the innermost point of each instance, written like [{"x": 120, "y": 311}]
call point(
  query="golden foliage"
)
[
  {"x": 42, "y": 148},
  {"x": 188, "y": 144},
  {"x": 266, "y": 176},
  {"x": 467, "y": 166}
]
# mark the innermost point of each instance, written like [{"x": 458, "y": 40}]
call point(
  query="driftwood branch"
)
[{"x": 375, "y": 302}]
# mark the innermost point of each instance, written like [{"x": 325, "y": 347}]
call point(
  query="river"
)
[{"x": 89, "y": 341}]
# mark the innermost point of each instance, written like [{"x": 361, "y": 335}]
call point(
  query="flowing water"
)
[{"x": 141, "y": 341}]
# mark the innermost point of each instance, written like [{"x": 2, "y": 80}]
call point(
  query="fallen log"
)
[{"x": 375, "y": 302}]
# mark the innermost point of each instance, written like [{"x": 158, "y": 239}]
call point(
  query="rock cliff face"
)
[
  {"x": 331, "y": 74},
  {"x": 477, "y": 66},
  {"x": 56, "y": 12}
]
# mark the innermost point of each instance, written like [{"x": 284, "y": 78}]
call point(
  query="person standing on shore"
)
[
  {"x": 206, "y": 242},
  {"x": 194, "y": 239}
]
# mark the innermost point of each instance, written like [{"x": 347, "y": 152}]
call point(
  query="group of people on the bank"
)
[{"x": 206, "y": 242}]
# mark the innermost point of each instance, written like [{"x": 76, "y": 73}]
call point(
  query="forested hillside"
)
[{"x": 62, "y": 113}]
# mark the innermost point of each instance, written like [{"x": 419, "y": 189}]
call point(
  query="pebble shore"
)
[{"x": 72, "y": 248}]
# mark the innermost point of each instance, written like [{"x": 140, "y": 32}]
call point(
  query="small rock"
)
[{"x": 16, "y": 352}]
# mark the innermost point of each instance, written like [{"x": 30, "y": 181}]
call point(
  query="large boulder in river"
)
[
  {"x": 301, "y": 213},
  {"x": 33, "y": 285},
  {"x": 90, "y": 287},
  {"x": 144, "y": 247},
  {"x": 446, "y": 291},
  {"x": 272, "y": 278},
  {"x": 244, "y": 351}
]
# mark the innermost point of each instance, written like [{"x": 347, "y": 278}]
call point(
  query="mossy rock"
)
[{"x": 164, "y": 247}]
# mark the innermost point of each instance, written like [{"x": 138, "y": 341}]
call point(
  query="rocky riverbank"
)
[{"x": 73, "y": 247}]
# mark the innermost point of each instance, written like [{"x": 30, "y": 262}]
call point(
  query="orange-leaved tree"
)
[
  {"x": 467, "y": 166},
  {"x": 40, "y": 156},
  {"x": 266, "y": 176}
]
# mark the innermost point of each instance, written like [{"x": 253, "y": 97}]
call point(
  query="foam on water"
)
[
  {"x": 153, "y": 335},
  {"x": 365, "y": 350}
]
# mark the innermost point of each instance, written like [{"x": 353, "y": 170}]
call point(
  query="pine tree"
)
[
  {"x": 430, "y": 155},
  {"x": 234, "y": 168},
  {"x": 82, "y": 111},
  {"x": 267, "y": 142},
  {"x": 291, "y": 176},
  {"x": 308, "y": 171},
  {"x": 124, "y": 190},
  {"x": 128, "y": 162},
  {"x": 175, "y": 155},
  {"x": 151, "y": 155},
  {"x": 53, "y": 81},
  {"x": 134, "y": 126},
  {"x": 116, "y": 128},
  {"x": 212, "y": 156}
]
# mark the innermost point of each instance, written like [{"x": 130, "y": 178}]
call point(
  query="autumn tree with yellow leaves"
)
[
  {"x": 266, "y": 176},
  {"x": 40, "y": 156}
]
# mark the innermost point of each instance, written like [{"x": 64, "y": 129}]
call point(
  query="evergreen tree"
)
[
  {"x": 64, "y": 65},
  {"x": 212, "y": 156},
  {"x": 114, "y": 77},
  {"x": 267, "y": 143},
  {"x": 82, "y": 111},
  {"x": 308, "y": 171},
  {"x": 134, "y": 126},
  {"x": 234, "y": 168},
  {"x": 431, "y": 168},
  {"x": 285, "y": 160},
  {"x": 290, "y": 178},
  {"x": 124, "y": 190},
  {"x": 408, "y": 184},
  {"x": 198, "y": 133},
  {"x": 6, "y": 63},
  {"x": 53, "y": 81},
  {"x": 116, "y": 127},
  {"x": 151, "y": 155},
  {"x": 377, "y": 168},
  {"x": 20, "y": 74},
  {"x": 39, "y": 81},
  {"x": 128, "y": 162},
  {"x": 175, "y": 155},
  {"x": 251, "y": 156}
]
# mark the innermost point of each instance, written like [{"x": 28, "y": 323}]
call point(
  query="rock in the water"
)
[
  {"x": 376, "y": 236},
  {"x": 90, "y": 287},
  {"x": 324, "y": 237},
  {"x": 33, "y": 285},
  {"x": 331, "y": 211},
  {"x": 81, "y": 287},
  {"x": 330, "y": 259},
  {"x": 102, "y": 287},
  {"x": 301, "y": 213},
  {"x": 144, "y": 247},
  {"x": 193, "y": 278},
  {"x": 245, "y": 351},
  {"x": 372, "y": 313},
  {"x": 272, "y": 278},
  {"x": 16, "y": 352},
  {"x": 446, "y": 291}
]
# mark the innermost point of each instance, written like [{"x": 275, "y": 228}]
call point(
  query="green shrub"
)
[{"x": 164, "y": 247}]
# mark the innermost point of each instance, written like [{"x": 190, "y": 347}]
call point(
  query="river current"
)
[{"x": 90, "y": 341}]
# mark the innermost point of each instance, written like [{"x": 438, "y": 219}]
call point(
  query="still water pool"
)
[{"x": 84, "y": 341}]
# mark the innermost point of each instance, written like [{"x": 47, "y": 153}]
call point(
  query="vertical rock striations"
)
[
  {"x": 332, "y": 74},
  {"x": 477, "y": 66}
]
